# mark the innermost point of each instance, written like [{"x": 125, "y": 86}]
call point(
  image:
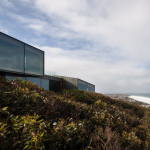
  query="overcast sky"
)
[{"x": 104, "y": 42}]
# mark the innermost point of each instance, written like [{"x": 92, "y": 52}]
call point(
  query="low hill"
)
[{"x": 36, "y": 119}]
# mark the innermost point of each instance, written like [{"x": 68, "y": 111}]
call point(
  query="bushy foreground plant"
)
[{"x": 33, "y": 118}]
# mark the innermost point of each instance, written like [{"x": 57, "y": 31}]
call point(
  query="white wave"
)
[{"x": 141, "y": 99}]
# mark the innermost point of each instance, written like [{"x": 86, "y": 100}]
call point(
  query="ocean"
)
[{"x": 142, "y": 97}]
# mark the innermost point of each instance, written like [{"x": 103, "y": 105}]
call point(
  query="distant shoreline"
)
[{"x": 128, "y": 98}]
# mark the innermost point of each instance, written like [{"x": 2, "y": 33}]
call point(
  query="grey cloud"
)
[
  {"x": 125, "y": 26},
  {"x": 117, "y": 30},
  {"x": 108, "y": 77}
]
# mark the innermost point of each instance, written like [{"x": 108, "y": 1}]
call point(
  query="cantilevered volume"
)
[{"x": 18, "y": 59}]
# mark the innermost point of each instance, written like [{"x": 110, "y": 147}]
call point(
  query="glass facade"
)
[
  {"x": 53, "y": 85},
  {"x": 11, "y": 54},
  {"x": 37, "y": 81},
  {"x": 45, "y": 84},
  {"x": 33, "y": 60},
  {"x": 82, "y": 85},
  {"x": 85, "y": 86},
  {"x": 19, "y": 57},
  {"x": 9, "y": 77},
  {"x": 91, "y": 88}
]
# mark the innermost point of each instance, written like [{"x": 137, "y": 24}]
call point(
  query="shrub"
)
[{"x": 33, "y": 118}]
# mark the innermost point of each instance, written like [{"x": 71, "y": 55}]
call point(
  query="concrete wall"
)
[
  {"x": 75, "y": 83},
  {"x": 55, "y": 78},
  {"x": 69, "y": 82}
]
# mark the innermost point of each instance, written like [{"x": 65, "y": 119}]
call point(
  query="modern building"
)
[
  {"x": 18, "y": 59},
  {"x": 75, "y": 83}
]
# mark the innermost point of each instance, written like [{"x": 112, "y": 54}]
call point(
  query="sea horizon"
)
[
  {"x": 139, "y": 94},
  {"x": 142, "y": 97}
]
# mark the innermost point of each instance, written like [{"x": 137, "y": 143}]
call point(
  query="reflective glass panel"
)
[
  {"x": 9, "y": 77},
  {"x": 34, "y": 80},
  {"x": 11, "y": 54},
  {"x": 33, "y": 60},
  {"x": 91, "y": 88},
  {"x": 82, "y": 85},
  {"x": 45, "y": 84}
]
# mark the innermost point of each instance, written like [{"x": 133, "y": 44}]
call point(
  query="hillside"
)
[{"x": 36, "y": 119}]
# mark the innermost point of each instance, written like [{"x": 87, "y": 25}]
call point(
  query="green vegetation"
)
[{"x": 36, "y": 119}]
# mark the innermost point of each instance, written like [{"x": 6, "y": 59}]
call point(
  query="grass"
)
[{"x": 33, "y": 118}]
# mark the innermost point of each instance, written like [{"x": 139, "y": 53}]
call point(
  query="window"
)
[
  {"x": 34, "y": 80},
  {"x": 34, "y": 60},
  {"x": 45, "y": 84},
  {"x": 13, "y": 77},
  {"x": 82, "y": 85},
  {"x": 11, "y": 54},
  {"x": 10, "y": 77},
  {"x": 91, "y": 88}
]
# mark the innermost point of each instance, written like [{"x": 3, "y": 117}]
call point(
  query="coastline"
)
[{"x": 143, "y": 101}]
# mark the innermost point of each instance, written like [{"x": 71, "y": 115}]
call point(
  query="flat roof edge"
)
[{"x": 20, "y": 41}]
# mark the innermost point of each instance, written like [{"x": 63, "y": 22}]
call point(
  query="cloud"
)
[
  {"x": 7, "y": 3},
  {"x": 125, "y": 24},
  {"x": 108, "y": 77},
  {"x": 4, "y": 30},
  {"x": 103, "y": 42}
]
